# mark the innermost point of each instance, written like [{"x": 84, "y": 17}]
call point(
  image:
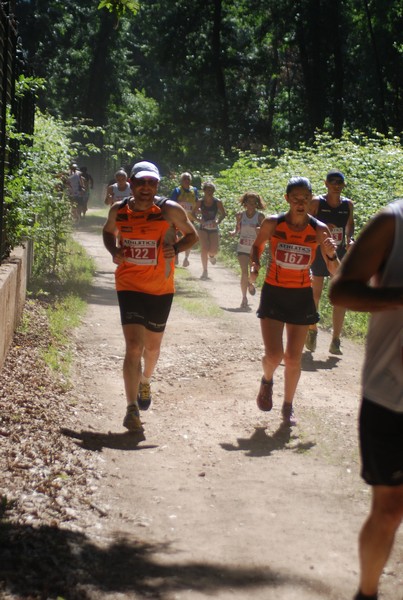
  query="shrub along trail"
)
[{"x": 218, "y": 500}]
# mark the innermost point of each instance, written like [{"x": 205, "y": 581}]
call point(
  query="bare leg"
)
[
  {"x": 338, "y": 320},
  {"x": 204, "y": 249},
  {"x": 244, "y": 264},
  {"x": 213, "y": 243},
  {"x": 378, "y": 533},
  {"x": 134, "y": 338},
  {"x": 317, "y": 288},
  {"x": 186, "y": 259},
  {"x": 272, "y": 334},
  {"x": 152, "y": 348},
  {"x": 140, "y": 343},
  {"x": 296, "y": 335}
]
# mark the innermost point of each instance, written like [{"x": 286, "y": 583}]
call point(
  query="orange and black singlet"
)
[
  {"x": 291, "y": 254},
  {"x": 141, "y": 235}
]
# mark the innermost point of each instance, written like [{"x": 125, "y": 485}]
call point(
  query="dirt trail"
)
[{"x": 219, "y": 500}]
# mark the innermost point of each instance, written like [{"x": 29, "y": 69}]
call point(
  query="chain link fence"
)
[{"x": 12, "y": 65}]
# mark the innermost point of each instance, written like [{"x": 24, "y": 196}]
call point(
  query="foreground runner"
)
[
  {"x": 146, "y": 227},
  {"x": 287, "y": 297},
  {"x": 377, "y": 257}
]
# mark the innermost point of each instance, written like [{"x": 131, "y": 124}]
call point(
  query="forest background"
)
[{"x": 244, "y": 93}]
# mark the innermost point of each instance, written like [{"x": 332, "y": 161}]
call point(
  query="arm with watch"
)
[
  {"x": 328, "y": 247},
  {"x": 177, "y": 216}
]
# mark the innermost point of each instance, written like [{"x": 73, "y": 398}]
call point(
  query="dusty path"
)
[{"x": 219, "y": 500}]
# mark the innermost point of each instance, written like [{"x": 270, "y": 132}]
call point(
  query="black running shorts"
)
[
  {"x": 381, "y": 443},
  {"x": 288, "y": 305},
  {"x": 145, "y": 309}
]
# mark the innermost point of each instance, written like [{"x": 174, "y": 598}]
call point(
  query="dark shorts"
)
[
  {"x": 381, "y": 443},
  {"x": 145, "y": 309},
  {"x": 319, "y": 268},
  {"x": 209, "y": 231},
  {"x": 288, "y": 305},
  {"x": 79, "y": 200}
]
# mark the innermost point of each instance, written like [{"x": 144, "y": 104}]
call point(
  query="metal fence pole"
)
[
  {"x": 11, "y": 66},
  {"x": 7, "y": 57}
]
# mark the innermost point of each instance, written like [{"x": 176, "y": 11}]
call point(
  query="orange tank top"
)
[
  {"x": 291, "y": 255},
  {"x": 141, "y": 235}
]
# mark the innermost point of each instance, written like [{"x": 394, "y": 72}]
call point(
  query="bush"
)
[
  {"x": 373, "y": 167},
  {"x": 35, "y": 204}
]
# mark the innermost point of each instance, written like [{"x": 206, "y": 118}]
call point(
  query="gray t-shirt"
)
[{"x": 382, "y": 377}]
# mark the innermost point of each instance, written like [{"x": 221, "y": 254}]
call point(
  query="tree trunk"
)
[
  {"x": 378, "y": 68},
  {"x": 309, "y": 40},
  {"x": 338, "y": 80},
  {"x": 97, "y": 95},
  {"x": 219, "y": 73}
]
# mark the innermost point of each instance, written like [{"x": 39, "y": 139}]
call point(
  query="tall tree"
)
[
  {"x": 186, "y": 81},
  {"x": 216, "y": 59}
]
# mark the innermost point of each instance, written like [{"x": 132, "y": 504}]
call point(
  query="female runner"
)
[
  {"x": 247, "y": 224},
  {"x": 209, "y": 213},
  {"x": 287, "y": 298}
]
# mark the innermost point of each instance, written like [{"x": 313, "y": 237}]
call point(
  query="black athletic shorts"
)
[
  {"x": 381, "y": 443},
  {"x": 145, "y": 309},
  {"x": 289, "y": 305},
  {"x": 319, "y": 268}
]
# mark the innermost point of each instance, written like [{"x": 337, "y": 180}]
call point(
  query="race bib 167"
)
[{"x": 292, "y": 256}]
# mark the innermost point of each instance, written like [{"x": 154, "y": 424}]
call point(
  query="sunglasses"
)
[
  {"x": 336, "y": 181},
  {"x": 144, "y": 181}
]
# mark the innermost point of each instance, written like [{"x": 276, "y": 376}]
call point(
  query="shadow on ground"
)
[
  {"x": 95, "y": 441},
  {"x": 261, "y": 444},
  {"x": 308, "y": 363},
  {"x": 237, "y": 309},
  {"x": 48, "y": 562}
]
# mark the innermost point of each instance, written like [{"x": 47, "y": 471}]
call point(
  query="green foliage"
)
[
  {"x": 65, "y": 296},
  {"x": 32, "y": 85},
  {"x": 120, "y": 7},
  {"x": 35, "y": 207},
  {"x": 74, "y": 274},
  {"x": 355, "y": 324},
  {"x": 373, "y": 166},
  {"x": 48, "y": 158},
  {"x": 63, "y": 316},
  {"x": 35, "y": 202},
  {"x": 133, "y": 116},
  {"x": 216, "y": 75},
  {"x": 194, "y": 300}
]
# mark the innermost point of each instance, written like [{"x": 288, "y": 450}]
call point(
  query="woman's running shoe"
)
[
  {"x": 287, "y": 412},
  {"x": 251, "y": 289},
  {"x": 264, "y": 398}
]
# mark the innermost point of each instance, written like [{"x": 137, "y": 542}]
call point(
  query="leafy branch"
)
[{"x": 119, "y": 7}]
